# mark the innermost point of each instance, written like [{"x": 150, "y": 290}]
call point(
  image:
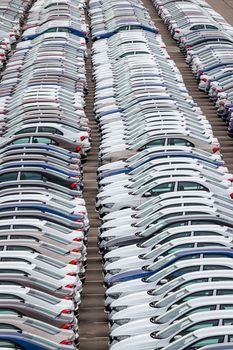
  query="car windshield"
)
[
  {"x": 173, "y": 313},
  {"x": 157, "y": 265}
]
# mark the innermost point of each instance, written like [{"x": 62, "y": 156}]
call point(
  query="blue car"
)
[
  {"x": 70, "y": 30},
  {"x": 42, "y": 208},
  {"x": 152, "y": 156},
  {"x": 147, "y": 271},
  {"x": 123, "y": 28},
  {"x": 26, "y": 341},
  {"x": 42, "y": 165}
]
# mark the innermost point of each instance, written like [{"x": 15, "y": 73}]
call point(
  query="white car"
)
[
  {"x": 155, "y": 309},
  {"x": 165, "y": 275},
  {"x": 158, "y": 340},
  {"x": 145, "y": 325},
  {"x": 157, "y": 187}
]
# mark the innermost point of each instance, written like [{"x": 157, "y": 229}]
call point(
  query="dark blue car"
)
[
  {"x": 123, "y": 28},
  {"x": 152, "y": 156},
  {"x": 41, "y": 165},
  {"x": 26, "y": 341},
  {"x": 147, "y": 271},
  {"x": 42, "y": 208},
  {"x": 70, "y": 30}
]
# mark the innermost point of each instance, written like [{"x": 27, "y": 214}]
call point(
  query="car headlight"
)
[
  {"x": 119, "y": 308},
  {"x": 122, "y": 321},
  {"x": 114, "y": 272},
  {"x": 113, "y": 295},
  {"x": 109, "y": 205},
  {"x": 110, "y": 260},
  {"x": 106, "y": 239},
  {"x": 118, "y": 338}
]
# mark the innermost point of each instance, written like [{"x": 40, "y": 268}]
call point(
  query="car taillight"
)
[
  {"x": 67, "y": 326},
  {"x": 188, "y": 46},
  {"x": 74, "y": 262},
  {"x": 78, "y": 220},
  {"x": 66, "y": 311},
  {"x": 67, "y": 297},
  {"x": 71, "y": 285},
  {"x": 201, "y": 72},
  {"x": 177, "y": 31},
  {"x": 76, "y": 250},
  {"x": 82, "y": 138},
  {"x": 78, "y": 229},
  {"x": 78, "y": 148},
  {"x": 73, "y": 185},
  {"x": 215, "y": 149},
  {"x": 231, "y": 195},
  {"x": 77, "y": 239},
  {"x": 71, "y": 274},
  {"x": 204, "y": 79},
  {"x": 231, "y": 179},
  {"x": 66, "y": 342}
]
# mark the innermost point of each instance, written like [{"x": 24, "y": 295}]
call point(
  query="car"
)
[
  {"x": 202, "y": 338},
  {"x": 167, "y": 236},
  {"x": 162, "y": 277},
  {"x": 13, "y": 339},
  {"x": 149, "y": 270},
  {"x": 155, "y": 309},
  {"x": 161, "y": 323},
  {"x": 27, "y": 325},
  {"x": 176, "y": 331},
  {"x": 38, "y": 173},
  {"x": 157, "y": 252}
]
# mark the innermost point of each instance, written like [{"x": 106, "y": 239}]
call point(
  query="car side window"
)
[
  {"x": 201, "y": 293},
  {"x": 179, "y": 142},
  {"x": 9, "y": 345},
  {"x": 181, "y": 272},
  {"x": 20, "y": 141},
  {"x": 228, "y": 322},
  {"x": 209, "y": 26},
  {"x": 155, "y": 143},
  {"x": 9, "y": 176},
  {"x": 9, "y": 296},
  {"x": 204, "y": 342},
  {"x": 197, "y": 310},
  {"x": 45, "y": 140},
  {"x": 11, "y": 271},
  {"x": 8, "y": 312},
  {"x": 49, "y": 129},
  {"x": 191, "y": 186},
  {"x": 226, "y": 307},
  {"x": 197, "y": 27},
  {"x": 26, "y": 131},
  {"x": 31, "y": 175},
  {"x": 224, "y": 292},
  {"x": 163, "y": 188},
  {"x": 215, "y": 267},
  {"x": 8, "y": 326},
  {"x": 199, "y": 325}
]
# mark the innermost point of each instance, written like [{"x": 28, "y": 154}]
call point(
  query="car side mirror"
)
[
  {"x": 163, "y": 281},
  {"x": 147, "y": 194},
  {"x": 178, "y": 336}
]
